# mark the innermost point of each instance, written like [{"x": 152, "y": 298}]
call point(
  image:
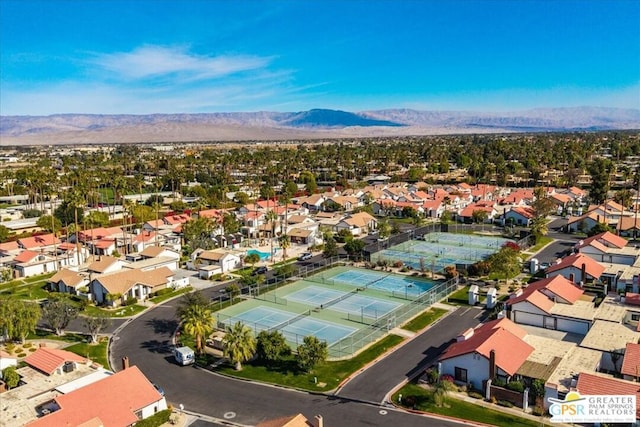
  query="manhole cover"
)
[
  {"x": 229, "y": 415},
  {"x": 383, "y": 412}
]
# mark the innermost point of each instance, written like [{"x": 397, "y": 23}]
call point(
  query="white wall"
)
[
  {"x": 576, "y": 326},
  {"x": 158, "y": 406},
  {"x": 477, "y": 367}
]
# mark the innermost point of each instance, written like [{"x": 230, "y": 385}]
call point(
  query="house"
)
[
  {"x": 466, "y": 215},
  {"x": 631, "y": 363},
  {"x": 224, "y": 260},
  {"x": 121, "y": 399},
  {"x": 51, "y": 361},
  {"x": 384, "y": 207},
  {"x": 493, "y": 350},
  {"x": 608, "y": 248},
  {"x": 552, "y": 303},
  {"x": 585, "y": 222},
  {"x": 39, "y": 243},
  {"x": 31, "y": 263},
  {"x": 519, "y": 216},
  {"x": 116, "y": 288},
  {"x": 629, "y": 226},
  {"x": 313, "y": 203},
  {"x": 68, "y": 281},
  {"x": 302, "y": 236},
  {"x": 577, "y": 268},
  {"x": 359, "y": 223},
  {"x": 105, "y": 264},
  {"x": 433, "y": 208}
]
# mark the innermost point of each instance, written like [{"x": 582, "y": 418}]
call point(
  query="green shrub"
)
[
  {"x": 499, "y": 383},
  {"x": 515, "y": 386},
  {"x": 156, "y": 420},
  {"x": 505, "y": 403},
  {"x": 475, "y": 395},
  {"x": 130, "y": 301},
  {"x": 27, "y": 345},
  {"x": 163, "y": 291},
  {"x": 32, "y": 349},
  {"x": 22, "y": 355}
]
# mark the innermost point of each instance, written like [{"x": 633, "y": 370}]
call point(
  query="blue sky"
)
[{"x": 169, "y": 56}]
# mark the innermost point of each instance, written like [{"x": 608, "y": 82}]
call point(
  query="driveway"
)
[
  {"x": 146, "y": 340},
  {"x": 373, "y": 384}
]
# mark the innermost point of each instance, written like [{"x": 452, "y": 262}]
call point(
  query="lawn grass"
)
[
  {"x": 328, "y": 375},
  {"x": 461, "y": 295},
  {"x": 131, "y": 310},
  {"x": 423, "y": 320},
  {"x": 95, "y": 352},
  {"x": 169, "y": 295},
  {"x": 460, "y": 409},
  {"x": 544, "y": 241}
]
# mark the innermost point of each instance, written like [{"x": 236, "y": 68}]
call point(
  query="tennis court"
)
[
  {"x": 346, "y": 307},
  {"x": 291, "y": 325},
  {"x": 440, "y": 250},
  {"x": 345, "y": 302}
]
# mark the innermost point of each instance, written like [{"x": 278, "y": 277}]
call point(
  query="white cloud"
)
[{"x": 155, "y": 61}]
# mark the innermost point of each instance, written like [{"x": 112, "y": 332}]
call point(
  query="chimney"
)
[
  {"x": 492, "y": 364},
  {"x": 583, "y": 277},
  {"x": 125, "y": 363},
  {"x": 318, "y": 421}
]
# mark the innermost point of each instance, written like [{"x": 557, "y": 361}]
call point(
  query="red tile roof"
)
[
  {"x": 592, "y": 267},
  {"x": 25, "y": 256},
  {"x": 511, "y": 351},
  {"x": 607, "y": 238},
  {"x": 114, "y": 400},
  {"x": 590, "y": 384},
  {"x": 9, "y": 246},
  {"x": 563, "y": 288},
  {"x": 38, "y": 241},
  {"x": 48, "y": 360},
  {"x": 631, "y": 361}
]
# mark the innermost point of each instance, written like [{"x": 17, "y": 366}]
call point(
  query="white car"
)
[{"x": 305, "y": 256}]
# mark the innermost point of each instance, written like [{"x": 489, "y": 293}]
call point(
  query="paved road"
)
[
  {"x": 562, "y": 243},
  {"x": 147, "y": 343},
  {"x": 373, "y": 384}
]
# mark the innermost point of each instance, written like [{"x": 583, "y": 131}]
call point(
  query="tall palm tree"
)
[
  {"x": 197, "y": 321},
  {"x": 271, "y": 217},
  {"x": 285, "y": 243},
  {"x": 240, "y": 344}
]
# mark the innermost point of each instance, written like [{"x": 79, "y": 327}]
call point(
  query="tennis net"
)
[
  {"x": 290, "y": 321},
  {"x": 340, "y": 298}
]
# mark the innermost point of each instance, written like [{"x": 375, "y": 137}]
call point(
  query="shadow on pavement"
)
[{"x": 162, "y": 326}]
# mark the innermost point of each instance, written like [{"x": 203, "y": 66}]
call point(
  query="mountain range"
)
[{"x": 312, "y": 124}]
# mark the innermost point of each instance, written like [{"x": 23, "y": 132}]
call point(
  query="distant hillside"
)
[{"x": 317, "y": 123}]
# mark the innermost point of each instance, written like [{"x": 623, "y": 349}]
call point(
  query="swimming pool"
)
[{"x": 263, "y": 255}]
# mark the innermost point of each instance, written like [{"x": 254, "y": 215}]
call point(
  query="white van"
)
[{"x": 184, "y": 356}]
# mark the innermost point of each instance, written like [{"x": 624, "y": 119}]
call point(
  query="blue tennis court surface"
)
[
  {"x": 383, "y": 282},
  {"x": 351, "y": 302},
  {"x": 262, "y": 318},
  {"x": 324, "y": 331},
  {"x": 370, "y": 307},
  {"x": 314, "y": 295},
  {"x": 265, "y": 319}
]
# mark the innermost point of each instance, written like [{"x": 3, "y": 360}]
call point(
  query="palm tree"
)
[
  {"x": 285, "y": 243},
  {"x": 197, "y": 321},
  {"x": 271, "y": 217},
  {"x": 539, "y": 228},
  {"x": 240, "y": 344}
]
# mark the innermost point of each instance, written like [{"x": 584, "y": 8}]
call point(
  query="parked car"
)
[
  {"x": 160, "y": 389},
  {"x": 259, "y": 270},
  {"x": 305, "y": 256}
]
